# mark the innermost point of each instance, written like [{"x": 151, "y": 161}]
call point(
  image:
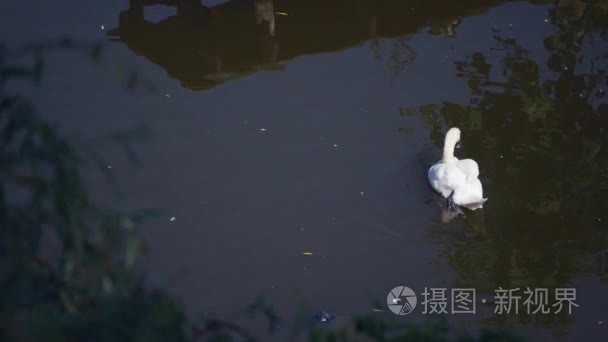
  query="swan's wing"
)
[
  {"x": 436, "y": 176},
  {"x": 444, "y": 178},
  {"x": 469, "y": 167}
]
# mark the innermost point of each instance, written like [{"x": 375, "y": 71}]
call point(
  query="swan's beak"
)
[{"x": 458, "y": 144}]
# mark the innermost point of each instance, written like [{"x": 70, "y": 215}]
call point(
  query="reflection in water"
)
[
  {"x": 541, "y": 137},
  {"x": 204, "y": 47},
  {"x": 264, "y": 11},
  {"x": 475, "y": 218},
  {"x": 447, "y": 29},
  {"x": 400, "y": 55},
  {"x": 602, "y": 257}
]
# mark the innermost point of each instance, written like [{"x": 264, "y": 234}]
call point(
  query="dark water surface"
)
[{"x": 308, "y": 126}]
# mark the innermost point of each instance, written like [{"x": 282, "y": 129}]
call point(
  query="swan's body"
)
[{"x": 456, "y": 180}]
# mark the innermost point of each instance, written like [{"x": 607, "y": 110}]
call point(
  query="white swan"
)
[{"x": 456, "y": 180}]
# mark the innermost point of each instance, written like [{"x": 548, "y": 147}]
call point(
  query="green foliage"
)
[
  {"x": 378, "y": 328},
  {"x": 540, "y": 141},
  {"x": 550, "y": 128},
  {"x": 66, "y": 266}
]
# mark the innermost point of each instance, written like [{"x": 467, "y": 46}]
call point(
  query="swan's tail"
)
[{"x": 476, "y": 205}]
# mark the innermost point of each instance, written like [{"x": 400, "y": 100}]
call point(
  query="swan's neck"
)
[{"x": 448, "y": 151}]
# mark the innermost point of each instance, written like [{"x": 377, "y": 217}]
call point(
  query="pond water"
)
[{"x": 280, "y": 129}]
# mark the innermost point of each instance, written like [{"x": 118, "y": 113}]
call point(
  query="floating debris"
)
[
  {"x": 335, "y": 145},
  {"x": 282, "y": 13},
  {"x": 172, "y": 219},
  {"x": 109, "y": 166},
  {"x": 307, "y": 253},
  {"x": 362, "y": 193},
  {"x": 324, "y": 317},
  {"x": 167, "y": 95},
  {"x": 102, "y": 27},
  {"x": 546, "y": 20},
  {"x": 262, "y": 129},
  {"x": 377, "y": 310}
]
